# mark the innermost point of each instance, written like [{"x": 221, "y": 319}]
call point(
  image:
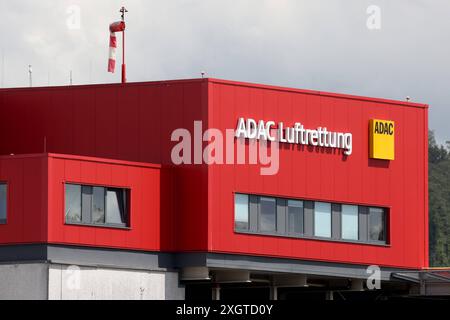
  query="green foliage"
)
[
  {"x": 439, "y": 199},
  {"x": 437, "y": 153}
]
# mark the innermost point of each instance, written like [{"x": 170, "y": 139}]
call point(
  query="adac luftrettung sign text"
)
[{"x": 297, "y": 134}]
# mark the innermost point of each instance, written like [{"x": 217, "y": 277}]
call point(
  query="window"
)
[
  {"x": 377, "y": 224},
  {"x": 116, "y": 202},
  {"x": 3, "y": 203},
  {"x": 349, "y": 223},
  {"x": 295, "y": 217},
  {"x": 96, "y": 205},
  {"x": 303, "y": 219},
  {"x": 322, "y": 219},
  {"x": 267, "y": 215},
  {"x": 73, "y": 203},
  {"x": 241, "y": 219}
]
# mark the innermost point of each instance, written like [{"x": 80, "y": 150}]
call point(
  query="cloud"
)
[{"x": 320, "y": 44}]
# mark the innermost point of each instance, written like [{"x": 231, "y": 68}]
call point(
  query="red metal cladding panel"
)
[
  {"x": 144, "y": 184},
  {"x": 150, "y": 111},
  {"x": 128, "y": 121},
  {"x": 19, "y": 124},
  {"x": 105, "y": 112},
  {"x": 83, "y": 125},
  {"x": 325, "y": 175},
  {"x": 26, "y": 179},
  {"x": 424, "y": 170},
  {"x": 61, "y": 112},
  {"x": 131, "y": 122}
]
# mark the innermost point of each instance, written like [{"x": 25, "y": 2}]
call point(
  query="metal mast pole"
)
[
  {"x": 124, "y": 70},
  {"x": 3, "y": 68},
  {"x": 30, "y": 72}
]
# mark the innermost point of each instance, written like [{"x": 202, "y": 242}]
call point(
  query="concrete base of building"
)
[
  {"x": 47, "y": 271},
  {"x": 42, "y": 281}
]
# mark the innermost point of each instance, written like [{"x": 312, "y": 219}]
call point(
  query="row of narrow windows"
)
[
  {"x": 106, "y": 206},
  {"x": 311, "y": 219}
]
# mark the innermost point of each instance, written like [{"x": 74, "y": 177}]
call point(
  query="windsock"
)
[{"x": 113, "y": 28}]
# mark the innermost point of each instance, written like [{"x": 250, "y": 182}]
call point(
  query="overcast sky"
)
[{"x": 322, "y": 44}]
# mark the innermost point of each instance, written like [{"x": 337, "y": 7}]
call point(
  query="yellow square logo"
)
[{"x": 382, "y": 139}]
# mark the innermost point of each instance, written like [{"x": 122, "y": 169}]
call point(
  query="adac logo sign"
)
[{"x": 382, "y": 139}]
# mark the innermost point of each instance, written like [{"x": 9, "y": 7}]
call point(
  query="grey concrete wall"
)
[
  {"x": 95, "y": 283},
  {"x": 40, "y": 281},
  {"x": 174, "y": 290},
  {"x": 23, "y": 281}
]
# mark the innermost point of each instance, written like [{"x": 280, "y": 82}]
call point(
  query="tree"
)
[
  {"x": 436, "y": 153},
  {"x": 439, "y": 202}
]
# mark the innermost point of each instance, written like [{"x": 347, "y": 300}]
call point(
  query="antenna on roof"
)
[
  {"x": 3, "y": 68},
  {"x": 408, "y": 98},
  {"x": 71, "y": 79},
  {"x": 30, "y": 72},
  {"x": 203, "y": 74},
  {"x": 90, "y": 71}
]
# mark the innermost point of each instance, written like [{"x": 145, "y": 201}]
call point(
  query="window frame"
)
[
  {"x": 86, "y": 219},
  {"x": 308, "y": 216}
]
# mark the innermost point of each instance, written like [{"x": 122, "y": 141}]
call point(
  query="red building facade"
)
[{"x": 119, "y": 136}]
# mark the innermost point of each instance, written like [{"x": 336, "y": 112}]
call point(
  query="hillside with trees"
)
[{"x": 439, "y": 200}]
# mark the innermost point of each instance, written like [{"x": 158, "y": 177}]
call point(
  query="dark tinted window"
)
[
  {"x": 3, "y": 203},
  {"x": 116, "y": 200},
  {"x": 295, "y": 217},
  {"x": 377, "y": 224},
  {"x": 98, "y": 205},
  {"x": 267, "y": 217}
]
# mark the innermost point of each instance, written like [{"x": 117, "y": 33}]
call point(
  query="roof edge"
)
[
  {"x": 320, "y": 93},
  {"x": 228, "y": 82},
  {"x": 82, "y": 158}
]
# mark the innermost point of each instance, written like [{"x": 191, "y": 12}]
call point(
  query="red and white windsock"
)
[{"x": 113, "y": 28}]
